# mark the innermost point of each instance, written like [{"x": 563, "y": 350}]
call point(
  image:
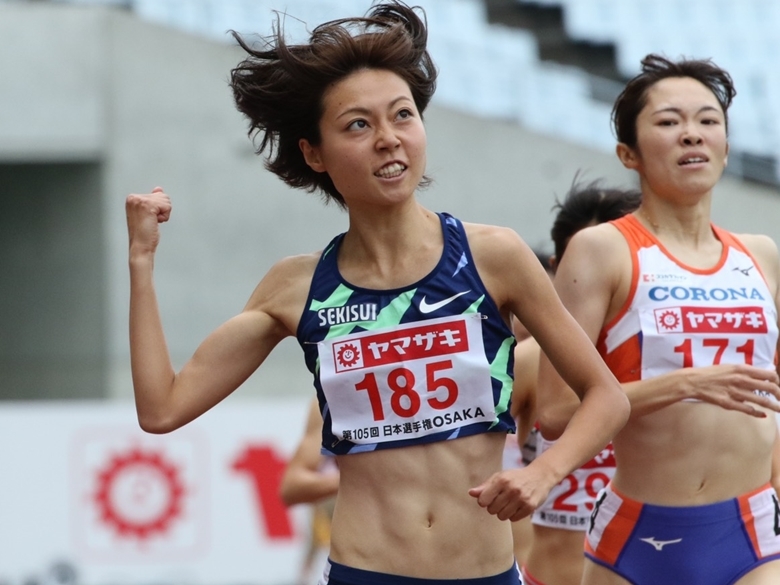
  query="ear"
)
[
  {"x": 553, "y": 263},
  {"x": 627, "y": 156},
  {"x": 312, "y": 156},
  {"x": 726, "y": 158}
]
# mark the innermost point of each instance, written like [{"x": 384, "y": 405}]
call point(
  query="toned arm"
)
[
  {"x": 519, "y": 284},
  {"x": 165, "y": 399}
]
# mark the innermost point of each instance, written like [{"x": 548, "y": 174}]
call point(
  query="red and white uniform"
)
[{"x": 678, "y": 316}]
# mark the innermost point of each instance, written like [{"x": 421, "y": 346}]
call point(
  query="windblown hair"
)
[
  {"x": 655, "y": 68},
  {"x": 589, "y": 204},
  {"x": 280, "y": 89}
]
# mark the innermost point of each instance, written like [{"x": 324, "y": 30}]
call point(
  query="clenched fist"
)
[{"x": 144, "y": 214}]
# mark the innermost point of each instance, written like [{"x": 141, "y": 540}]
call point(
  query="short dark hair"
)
[
  {"x": 655, "y": 68},
  {"x": 281, "y": 88},
  {"x": 589, "y": 204}
]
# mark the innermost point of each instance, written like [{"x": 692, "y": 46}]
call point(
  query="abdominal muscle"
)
[
  {"x": 407, "y": 511},
  {"x": 693, "y": 453}
]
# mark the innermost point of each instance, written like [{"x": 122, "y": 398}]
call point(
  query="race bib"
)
[
  {"x": 691, "y": 336},
  {"x": 570, "y": 503},
  {"x": 407, "y": 381}
]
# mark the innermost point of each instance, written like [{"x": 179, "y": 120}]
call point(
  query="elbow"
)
[
  {"x": 287, "y": 494},
  {"x": 156, "y": 425},
  {"x": 622, "y": 409},
  {"x": 552, "y": 422}
]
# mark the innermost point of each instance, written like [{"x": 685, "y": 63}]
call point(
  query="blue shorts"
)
[
  {"x": 336, "y": 574},
  {"x": 714, "y": 544}
]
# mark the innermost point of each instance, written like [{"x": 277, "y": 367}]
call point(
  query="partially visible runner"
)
[
  {"x": 685, "y": 314},
  {"x": 555, "y": 553},
  {"x": 404, "y": 319},
  {"x": 313, "y": 479}
]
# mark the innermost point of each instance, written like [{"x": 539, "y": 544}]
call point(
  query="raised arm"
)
[{"x": 166, "y": 400}]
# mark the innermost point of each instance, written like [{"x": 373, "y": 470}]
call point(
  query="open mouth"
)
[
  {"x": 390, "y": 171},
  {"x": 692, "y": 160}
]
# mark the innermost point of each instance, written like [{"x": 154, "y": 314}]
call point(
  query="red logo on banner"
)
[{"x": 139, "y": 494}]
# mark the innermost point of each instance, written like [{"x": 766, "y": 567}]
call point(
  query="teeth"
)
[
  {"x": 392, "y": 170},
  {"x": 697, "y": 159}
]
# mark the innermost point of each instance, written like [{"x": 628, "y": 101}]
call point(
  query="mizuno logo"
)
[
  {"x": 745, "y": 271},
  {"x": 659, "y": 544},
  {"x": 426, "y": 308}
]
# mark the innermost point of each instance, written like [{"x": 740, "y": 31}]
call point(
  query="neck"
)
[{"x": 690, "y": 228}]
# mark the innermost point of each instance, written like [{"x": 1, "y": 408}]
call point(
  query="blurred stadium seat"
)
[{"x": 495, "y": 71}]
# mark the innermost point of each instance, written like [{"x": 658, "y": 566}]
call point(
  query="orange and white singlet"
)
[{"x": 678, "y": 316}]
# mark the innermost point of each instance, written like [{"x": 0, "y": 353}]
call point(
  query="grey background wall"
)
[{"x": 95, "y": 104}]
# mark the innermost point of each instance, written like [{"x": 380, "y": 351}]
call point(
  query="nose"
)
[
  {"x": 691, "y": 136},
  {"x": 387, "y": 138}
]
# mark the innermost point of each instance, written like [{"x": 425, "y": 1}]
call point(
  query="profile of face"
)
[
  {"x": 372, "y": 139},
  {"x": 681, "y": 145}
]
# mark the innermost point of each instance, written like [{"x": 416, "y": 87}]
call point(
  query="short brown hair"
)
[{"x": 280, "y": 89}]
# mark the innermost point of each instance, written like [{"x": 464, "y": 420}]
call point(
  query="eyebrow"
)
[
  {"x": 675, "y": 110},
  {"x": 366, "y": 111}
]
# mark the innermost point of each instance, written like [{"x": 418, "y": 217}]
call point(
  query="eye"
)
[
  {"x": 667, "y": 122},
  {"x": 405, "y": 113},
  {"x": 358, "y": 124},
  {"x": 710, "y": 121}
]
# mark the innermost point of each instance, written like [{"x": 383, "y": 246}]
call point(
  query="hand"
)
[
  {"x": 144, "y": 214},
  {"x": 735, "y": 387},
  {"x": 513, "y": 494}
]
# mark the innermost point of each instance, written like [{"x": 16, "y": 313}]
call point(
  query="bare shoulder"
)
[
  {"x": 761, "y": 246},
  {"x": 283, "y": 291},
  {"x": 602, "y": 237},
  {"x": 506, "y": 264},
  {"x": 764, "y": 250},
  {"x": 600, "y": 247},
  {"x": 594, "y": 276},
  {"x": 496, "y": 248},
  {"x": 491, "y": 239}
]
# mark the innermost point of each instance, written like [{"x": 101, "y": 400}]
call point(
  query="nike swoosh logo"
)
[
  {"x": 659, "y": 544},
  {"x": 426, "y": 308}
]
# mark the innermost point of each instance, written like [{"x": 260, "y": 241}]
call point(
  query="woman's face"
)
[
  {"x": 681, "y": 139},
  {"x": 372, "y": 139}
]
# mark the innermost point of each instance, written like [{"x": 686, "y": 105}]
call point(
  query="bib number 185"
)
[{"x": 405, "y": 398}]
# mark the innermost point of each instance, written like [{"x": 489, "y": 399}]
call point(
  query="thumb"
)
[
  {"x": 475, "y": 492},
  {"x": 158, "y": 190}
]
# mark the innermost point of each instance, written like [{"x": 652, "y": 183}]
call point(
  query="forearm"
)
[
  {"x": 302, "y": 486},
  {"x": 556, "y": 402},
  {"x": 653, "y": 394},
  {"x": 152, "y": 371},
  {"x": 600, "y": 416}
]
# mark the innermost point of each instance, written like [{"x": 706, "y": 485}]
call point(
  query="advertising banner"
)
[{"x": 87, "y": 497}]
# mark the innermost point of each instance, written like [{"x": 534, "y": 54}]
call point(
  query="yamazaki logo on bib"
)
[
  {"x": 395, "y": 346},
  {"x": 710, "y": 320},
  {"x": 407, "y": 381}
]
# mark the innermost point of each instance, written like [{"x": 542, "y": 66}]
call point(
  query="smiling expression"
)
[{"x": 372, "y": 139}]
